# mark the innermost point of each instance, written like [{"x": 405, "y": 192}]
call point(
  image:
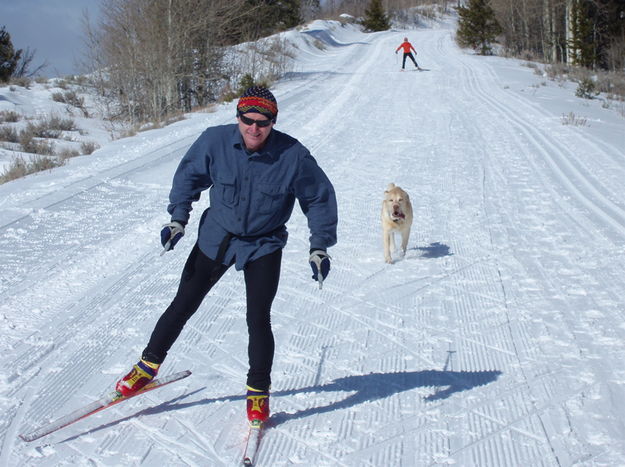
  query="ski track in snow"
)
[{"x": 496, "y": 341}]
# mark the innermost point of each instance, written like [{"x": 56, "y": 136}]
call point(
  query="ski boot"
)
[
  {"x": 141, "y": 374},
  {"x": 257, "y": 406}
]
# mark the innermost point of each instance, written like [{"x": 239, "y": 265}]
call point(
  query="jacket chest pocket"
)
[
  {"x": 225, "y": 188},
  {"x": 270, "y": 198}
]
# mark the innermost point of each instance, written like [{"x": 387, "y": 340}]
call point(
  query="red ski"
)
[{"x": 105, "y": 402}]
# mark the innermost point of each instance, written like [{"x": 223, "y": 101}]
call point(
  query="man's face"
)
[{"x": 254, "y": 136}]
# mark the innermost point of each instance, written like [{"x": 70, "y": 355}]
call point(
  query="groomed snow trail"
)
[{"x": 496, "y": 341}]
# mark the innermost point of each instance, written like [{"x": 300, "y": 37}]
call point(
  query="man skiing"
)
[
  {"x": 255, "y": 174},
  {"x": 407, "y": 46}
]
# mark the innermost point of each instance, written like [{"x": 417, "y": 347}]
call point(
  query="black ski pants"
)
[
  {"x": 406, "y": 55},
  {"x": 199, "y": 275}
]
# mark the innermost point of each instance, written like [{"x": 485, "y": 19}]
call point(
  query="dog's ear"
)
[{"x": 390, "y": 187}]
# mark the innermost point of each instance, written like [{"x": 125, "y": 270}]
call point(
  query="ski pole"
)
[{"x": 166, "y": 247}]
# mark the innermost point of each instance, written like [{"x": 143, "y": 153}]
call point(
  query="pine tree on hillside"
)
[
  {"x": 261, "y": 18},
  {"x": 477, "y": 26},
  {"x": 9, "y": 58},
  {"x": 287, "y": 14},
  {"x": 583, "y": 44},
  {"x": 375, "y": 17}
]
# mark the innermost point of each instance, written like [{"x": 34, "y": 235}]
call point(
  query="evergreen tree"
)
[
  {"x": 288, "y": 14},
  {"x": 9, "y": 58},
  {"x": 261, "y": 18},
  {"x": 583, "y": 42},
  {"x": 375, "y": 17},
  {"x": 477, "y": 26}
]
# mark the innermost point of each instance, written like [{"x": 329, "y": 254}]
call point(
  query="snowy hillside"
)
[{"x": 499, "y": 340}]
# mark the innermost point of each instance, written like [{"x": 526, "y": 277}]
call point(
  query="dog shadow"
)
[
  {"x": 363, "y": 388},
  {"x": 434, "y": 250}
]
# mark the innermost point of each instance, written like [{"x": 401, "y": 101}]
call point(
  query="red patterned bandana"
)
[{"x": 258, "y": 99}]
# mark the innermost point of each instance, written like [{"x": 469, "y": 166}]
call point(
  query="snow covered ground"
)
[{"x": 498, "y": 340}]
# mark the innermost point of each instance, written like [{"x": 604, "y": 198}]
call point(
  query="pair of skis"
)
[{"x": 114, "y": 398}]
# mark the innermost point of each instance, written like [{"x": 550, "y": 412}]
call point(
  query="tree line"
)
[
  {"x": 587, "y": 33},
  {"x": 155, "y": 58}
]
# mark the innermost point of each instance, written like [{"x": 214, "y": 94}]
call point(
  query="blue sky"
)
[{"x": 53, "y": 28}]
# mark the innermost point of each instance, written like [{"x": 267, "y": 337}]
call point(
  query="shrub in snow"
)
[
  {"x": 88, "y": 147},
  {"x": 572, "y": 119},
  {"x": 586, "y": 89},
  {"x": 9, "y": 116},
  {"x": 8, "y": 134},
  {"x": 67, "y": 153},
  {"x": 29, "y": 143},
  {"x": 20, "y": 167}
]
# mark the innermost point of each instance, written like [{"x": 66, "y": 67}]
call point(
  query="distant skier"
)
[{"x": 407, "y": 46}]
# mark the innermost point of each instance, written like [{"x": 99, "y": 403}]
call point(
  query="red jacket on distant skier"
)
[{"x": 407, "y": 46}]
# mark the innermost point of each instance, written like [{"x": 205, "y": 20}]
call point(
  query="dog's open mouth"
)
[{"x": 398, "y": 215}]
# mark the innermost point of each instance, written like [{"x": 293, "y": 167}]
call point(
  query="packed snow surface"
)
[{"x": 498, "y": 340}]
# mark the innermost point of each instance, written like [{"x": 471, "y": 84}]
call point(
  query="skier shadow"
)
[
  {"x": 365, "y": 388},
  {"x": 434, "y": 250},
  {"x": 164, "y": 407},
  {"x": 376, "y": 386}
]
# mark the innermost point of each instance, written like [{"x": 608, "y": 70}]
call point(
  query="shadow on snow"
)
[
  {"x": 365, "y": 388},
  {"x": 375, "y": 386},
  {"x": 434, "y": 250},
  {"x": 324, "y": 36}
]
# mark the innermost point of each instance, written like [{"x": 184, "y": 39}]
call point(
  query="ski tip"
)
[
  {"x": 35, "y": 435},
  {"x": 256, "y": 424},
  {"x": 177, "y": 376}
]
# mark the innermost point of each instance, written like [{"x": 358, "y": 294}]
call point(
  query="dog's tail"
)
[{"x": 390, "y": 186}]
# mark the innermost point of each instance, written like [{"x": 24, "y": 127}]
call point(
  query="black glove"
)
[
  {"x": 171, "y": 234},
  {"x": 320, "y": 264}
]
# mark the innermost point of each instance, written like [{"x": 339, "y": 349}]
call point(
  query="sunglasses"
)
[{"x": 250, "y": 121}]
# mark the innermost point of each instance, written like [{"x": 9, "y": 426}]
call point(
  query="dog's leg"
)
[
  {"x": 386, "y": 238},
  {"x": 405, "y": 235}
]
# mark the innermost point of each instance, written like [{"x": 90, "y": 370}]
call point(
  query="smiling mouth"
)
[{"x": 398, "y": 215}]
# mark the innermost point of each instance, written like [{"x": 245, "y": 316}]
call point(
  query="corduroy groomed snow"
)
[{"x": 258, "y": 99}]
